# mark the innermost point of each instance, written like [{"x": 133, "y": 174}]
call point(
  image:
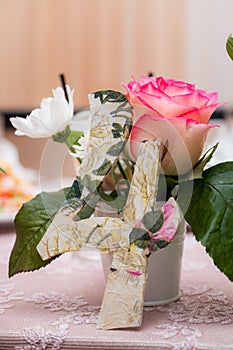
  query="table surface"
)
[{"x": 57, "y": 307}]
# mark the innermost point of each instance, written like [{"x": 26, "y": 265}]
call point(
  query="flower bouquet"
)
[{"x": 141, "y": 147}]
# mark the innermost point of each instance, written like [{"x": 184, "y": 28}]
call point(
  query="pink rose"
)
[{"x": 175, "y": 112}]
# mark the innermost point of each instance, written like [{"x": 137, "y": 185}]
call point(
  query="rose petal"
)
[
  {"x": 167, "y": 107},
  {"x": 192, "y": 99},
  {"x": 203, "y": 114},
  {"x": 185, "y": 138}
]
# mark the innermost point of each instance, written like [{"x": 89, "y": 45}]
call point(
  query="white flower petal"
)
[
  {"x": 22, "y": 125},
  {"x": 38, "y": 127},
  {"x": 70, "y": 94},
  {"x": 19, "y": 133},
  {"x": 54, "y": 115},
  {"x": 35, "y": 112},
  {"x": 59, "y": 112},
  {"x": 59, "y": 94}
]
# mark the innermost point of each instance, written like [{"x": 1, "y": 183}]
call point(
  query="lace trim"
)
[
  {"x": 198, "y": 304},
  {"x": 79, "y": 310},
  {"x": 87, "y": 315},
  {"x": 191, "y": 335},
  {"x": 40, "y": 339},
  {"x": 7, "y": 297},
  {"x": 58, "y": 302}
]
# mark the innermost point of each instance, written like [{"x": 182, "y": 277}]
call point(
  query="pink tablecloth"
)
[{"x": 57, "y": 307}]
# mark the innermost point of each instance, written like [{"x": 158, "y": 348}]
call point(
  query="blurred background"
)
[{"x": 98, "y": 44}]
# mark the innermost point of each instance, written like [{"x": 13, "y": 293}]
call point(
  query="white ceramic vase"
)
[{"x": 164, "y": 270}]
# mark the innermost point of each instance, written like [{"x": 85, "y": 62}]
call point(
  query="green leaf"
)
[
  {"x": 117, "y": 130},
  {"x": 116, "y": 149},
  {"x": 153, "y": 221},
  {"x": 110, "y": 96},
  {"x": 229, "y": 46},
  {"x": 85, "y": 213},
  {"x": 74, "y": 137},
  {"x": 140, "y": 237},
  {"x": 117, "y": 198},
  {"x": 117, "y": 126},
  {"x": 199, "y": 166},
  {"x": 2, "y": 170},
  {"x": 166, "y": 186},
  {"x": 88, "y": 207},
  {"x": 210, "y": 213},
  {"x": 161, "y": 244},
  {"x": 124, "y": 107},
  {"x": 73, "y": 198},
  {"x": 31, "y": 223},
  {"x": 90, "y": 184},
  {"x": 75, "y": 190},
  {"x": 104, "y": 168}
]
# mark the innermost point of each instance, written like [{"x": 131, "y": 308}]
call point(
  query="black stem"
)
[
  {"x": 121, "y": 170},
  {"x": 63, "y": 82}
]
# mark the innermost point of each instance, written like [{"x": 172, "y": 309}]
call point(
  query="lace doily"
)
[
  {"x": 8, "y": 296},
  {"x": 40, "y": 339},
  {"x": 197, "y": 305},
  {"x": 58, "y": 302}
]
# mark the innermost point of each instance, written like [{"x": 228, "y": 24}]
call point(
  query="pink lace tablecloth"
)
[{"x": 57, "y": 307}]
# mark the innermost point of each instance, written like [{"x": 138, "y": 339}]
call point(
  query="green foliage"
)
[
  {"x": 124, "y": 107},
  {"x": 2, "y": 170},
  {"x": 104, "y": 168},
  {"x": 160, "y": 244},
  {"x": 153, "y": 220},
  {"x": 110, "y": 96},
  {"x": 90, "y": 184},
  {"x": 31, "y": 223},
  {"x": 74, "y": 137},
  {"x": 73, "y": 198},
  {"x": 75, "y": 190},
  {"x": 117, "y": 130},
  {"x": 210, "y": 213},
  {"x": 200, "y": 165},
  {"x": 117, "y": 198},
  {"x": 229, "y": 46},
  {"x": 85, "y": 213},
  {"x": 33, "y": 220},
  {"x": 116, "y": 149},
  {"x": 62, "y": 136},
  {"x": 139, "y": 237},
  {"x": 166, "y": 186}
]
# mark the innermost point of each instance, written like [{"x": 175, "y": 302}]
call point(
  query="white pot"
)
[{"x": 164, "y": 268}]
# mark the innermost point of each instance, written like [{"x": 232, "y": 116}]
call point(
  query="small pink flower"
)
[{"x": 172, "y": 218}]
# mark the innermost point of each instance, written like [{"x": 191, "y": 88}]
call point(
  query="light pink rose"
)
[{"x": 175, "y": 112}]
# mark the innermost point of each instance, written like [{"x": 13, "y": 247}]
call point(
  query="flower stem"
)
[
  {"x": 114, "y": 174},
  {"x": 63, "y": 82},
  {"x": 69, "y": 145},
  {"x": 128, "y": 170},
  {"x": 122, "y": 170}
]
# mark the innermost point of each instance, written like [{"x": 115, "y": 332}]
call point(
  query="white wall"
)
[{"x": 208, "y": 24}]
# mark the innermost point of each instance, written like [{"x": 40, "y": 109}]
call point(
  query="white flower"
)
[
  {"x": 53, "y": 116},
  {"x": 81, "y": 122},
  {"x": 80, "y": 150}
]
